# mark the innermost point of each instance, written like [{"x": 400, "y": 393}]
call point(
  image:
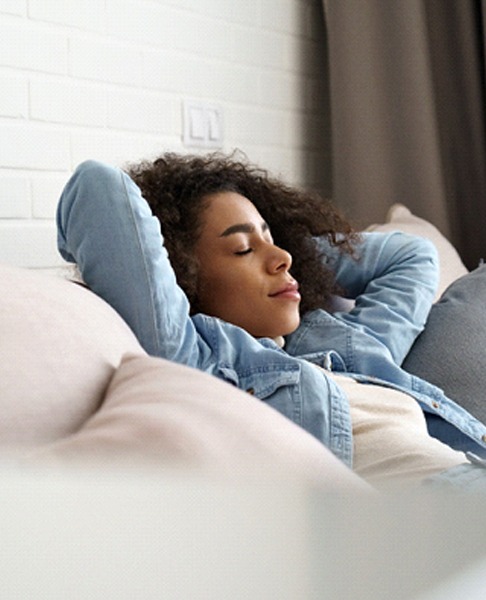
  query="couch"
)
[{"x": 126, "y": 476}]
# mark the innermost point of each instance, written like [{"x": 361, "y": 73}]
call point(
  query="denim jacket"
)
[{"x": 107, "y": 228}]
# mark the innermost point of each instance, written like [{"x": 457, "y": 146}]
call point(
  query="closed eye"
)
[{"x": 243, "y": 252}]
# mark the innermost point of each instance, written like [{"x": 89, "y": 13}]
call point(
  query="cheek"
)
[
  {"x": 212, "y": 291},
  {"x": 224, "y": 294}
]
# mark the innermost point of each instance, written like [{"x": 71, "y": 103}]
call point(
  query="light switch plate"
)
[{"x": 202, "y": 124}]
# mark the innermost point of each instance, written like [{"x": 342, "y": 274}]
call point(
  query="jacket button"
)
[
  {"x": 251, "y": 391},
  {"x": 484, "y": 438},
  {"x": 435, "y": 404}
]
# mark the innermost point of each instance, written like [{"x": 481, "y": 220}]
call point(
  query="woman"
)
[{"x": 248, "y": 261}]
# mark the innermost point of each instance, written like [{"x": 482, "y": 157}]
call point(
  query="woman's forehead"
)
[{"x": 227, "y": 209}]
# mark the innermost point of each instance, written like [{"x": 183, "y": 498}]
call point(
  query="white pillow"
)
[
  {"x": 59, "y": 347},
  {"x": 158, "y": 413}
]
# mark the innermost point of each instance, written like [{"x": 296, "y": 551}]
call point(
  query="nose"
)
[{"x": 278, "y": 260}]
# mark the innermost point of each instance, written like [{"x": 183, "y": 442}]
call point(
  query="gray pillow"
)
[{"x": 451, "y": 351}]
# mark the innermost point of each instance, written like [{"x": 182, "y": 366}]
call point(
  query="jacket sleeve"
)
[
  {"x": 392, "y": 281},
  {"x": 107, "y": 228}
]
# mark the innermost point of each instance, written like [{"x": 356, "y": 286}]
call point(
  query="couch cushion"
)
[
  {"x": 59, "y": 347},
  {"x": 450, "y": 352},
  {"x": 158, "y": 413}
]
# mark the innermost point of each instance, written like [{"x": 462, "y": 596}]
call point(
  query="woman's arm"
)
[
  {"x": 107, "y": 228},
  {"x": 393, "y": 282}
]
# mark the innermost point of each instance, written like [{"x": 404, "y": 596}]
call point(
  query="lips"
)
[{"x": 289, "y": 291}]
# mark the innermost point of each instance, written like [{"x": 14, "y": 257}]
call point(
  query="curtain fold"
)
[{"x": 408, "y": 113}]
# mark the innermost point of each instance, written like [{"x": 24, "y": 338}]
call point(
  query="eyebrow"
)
[{"x": 243, "y": 228}]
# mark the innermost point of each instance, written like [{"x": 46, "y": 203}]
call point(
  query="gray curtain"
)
[{"x": 407, "y": 95}]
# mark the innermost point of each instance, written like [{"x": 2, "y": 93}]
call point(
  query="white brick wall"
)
[{"x": 106, "y": 79}]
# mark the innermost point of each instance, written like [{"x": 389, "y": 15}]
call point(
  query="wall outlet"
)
[{"x": 202, "y": 124}]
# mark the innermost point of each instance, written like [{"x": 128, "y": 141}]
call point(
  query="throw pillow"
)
[
  {"x": 59, "y": 347},
  {"x": 158, "y": 413},
  {"x": 451, "y": 351}
]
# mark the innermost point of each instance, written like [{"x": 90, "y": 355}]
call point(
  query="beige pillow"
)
[
  {"x": 59, "y": 347},
  {"x": 400, "y": 218},
  {"x": 160, "y": 413}
]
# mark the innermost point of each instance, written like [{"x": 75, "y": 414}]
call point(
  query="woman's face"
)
[{"x": 243, "y": 277}]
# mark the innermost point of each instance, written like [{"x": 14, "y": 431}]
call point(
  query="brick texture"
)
[{"x": 106, "y": 79}]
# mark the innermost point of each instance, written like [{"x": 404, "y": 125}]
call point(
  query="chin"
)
[
  {"x": 286, "y": 329},
  {"x": 277, "y": 332},
  {"x": 271, "y": 329},
  {"x": 289, "y": 331}
]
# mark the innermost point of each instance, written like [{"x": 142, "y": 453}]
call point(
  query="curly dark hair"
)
[{"x": 176, "y": 186}]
